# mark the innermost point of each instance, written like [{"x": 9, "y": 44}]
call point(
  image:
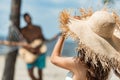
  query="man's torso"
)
[{"x": 30, "y": 34}]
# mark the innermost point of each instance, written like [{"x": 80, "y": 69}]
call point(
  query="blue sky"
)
[{"x": 44, "y": 12}]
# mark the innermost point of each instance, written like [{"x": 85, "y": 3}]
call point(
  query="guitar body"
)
[
  {"x": 29, "y": 57},
  {"x": 26, "y": 55}
]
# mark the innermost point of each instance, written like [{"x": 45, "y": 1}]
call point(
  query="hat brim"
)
[{"x": 97, "y": 48}]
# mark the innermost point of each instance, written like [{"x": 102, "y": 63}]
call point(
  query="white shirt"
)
[{"x": 69, "y": 76}]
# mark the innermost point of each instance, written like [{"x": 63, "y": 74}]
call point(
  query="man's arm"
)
[
  {"x": 42, "y": 36},
  {"x": 51, "y": 39}
]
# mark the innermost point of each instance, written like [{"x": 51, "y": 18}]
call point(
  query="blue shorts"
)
[{"x": 39, "y": 63}]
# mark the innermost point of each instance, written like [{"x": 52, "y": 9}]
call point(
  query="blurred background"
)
[{"x": 44, "y": 13}]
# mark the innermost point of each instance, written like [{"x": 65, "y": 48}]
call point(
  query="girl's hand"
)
[{"x": 64, "y": 35}]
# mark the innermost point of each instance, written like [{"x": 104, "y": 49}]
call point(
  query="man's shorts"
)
[{"x": 39, "y": 63}]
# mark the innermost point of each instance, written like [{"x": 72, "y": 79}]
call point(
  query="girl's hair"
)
[{"x": 94, "y": 72}]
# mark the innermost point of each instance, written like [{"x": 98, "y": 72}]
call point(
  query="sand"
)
[{"x": 51, "y": 72}]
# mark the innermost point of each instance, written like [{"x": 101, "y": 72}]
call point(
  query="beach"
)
[{"x": 51, "y": 72}]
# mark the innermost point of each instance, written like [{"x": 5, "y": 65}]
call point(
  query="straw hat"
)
[{"x": 96, "y": 35}]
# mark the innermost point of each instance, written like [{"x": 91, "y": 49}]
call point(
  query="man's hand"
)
[{"x": 32, "y": 50}]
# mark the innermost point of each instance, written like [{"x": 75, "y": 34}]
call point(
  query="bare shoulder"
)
[
  {"x": 23, "y": 29},
  {"x": 37, "y": 27}
]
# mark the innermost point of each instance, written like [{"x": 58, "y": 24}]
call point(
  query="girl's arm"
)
[{"x": 57, "y": 59}]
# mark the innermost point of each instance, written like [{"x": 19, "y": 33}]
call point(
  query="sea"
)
[{"x": 68, "y": 50}]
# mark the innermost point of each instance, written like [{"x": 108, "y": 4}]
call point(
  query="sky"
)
[{"x": 45, "y": 13}]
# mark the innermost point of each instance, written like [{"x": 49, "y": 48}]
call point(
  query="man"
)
[{"x": 32, "y": 32}]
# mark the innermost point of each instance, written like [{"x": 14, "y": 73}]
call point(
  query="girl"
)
[{"x": 75, "y": 65}]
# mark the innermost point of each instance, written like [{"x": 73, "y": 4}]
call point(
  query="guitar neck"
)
[{"x": 12, "y": 43}]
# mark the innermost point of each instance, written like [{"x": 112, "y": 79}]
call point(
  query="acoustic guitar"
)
[{"x": 27, "y": 55}]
